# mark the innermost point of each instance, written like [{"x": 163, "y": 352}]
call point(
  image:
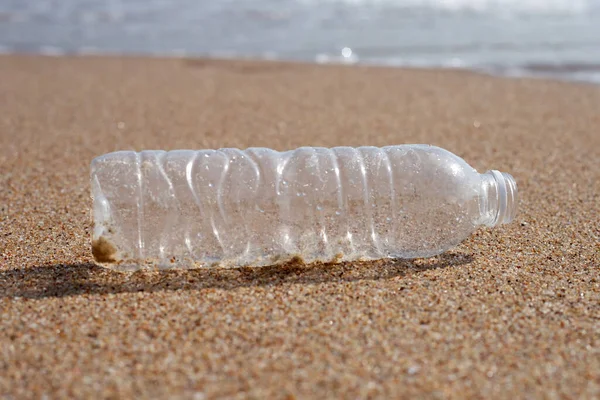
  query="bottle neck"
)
[{"x": 499, "y": 200}]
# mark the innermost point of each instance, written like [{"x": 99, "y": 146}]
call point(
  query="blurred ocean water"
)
[{"x": 551, "y": 38}]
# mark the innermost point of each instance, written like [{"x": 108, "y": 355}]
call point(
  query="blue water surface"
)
[{"x": 556, "y": 38}]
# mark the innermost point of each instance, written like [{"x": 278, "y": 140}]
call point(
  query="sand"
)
[{"x": 513, "y": 311}]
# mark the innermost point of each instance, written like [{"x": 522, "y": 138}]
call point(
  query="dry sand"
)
[{"x": 513, "y": 311}]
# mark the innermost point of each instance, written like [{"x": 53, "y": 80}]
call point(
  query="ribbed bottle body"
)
[{"x": 233, "y": 207}]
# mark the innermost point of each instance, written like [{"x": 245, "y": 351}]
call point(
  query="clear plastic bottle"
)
[{"x": 233, "y": 207}]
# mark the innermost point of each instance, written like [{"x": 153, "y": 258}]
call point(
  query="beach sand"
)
[{"x": 512, "y": 312}]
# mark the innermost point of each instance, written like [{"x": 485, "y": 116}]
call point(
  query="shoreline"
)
[{"x": 562, "y": 72}]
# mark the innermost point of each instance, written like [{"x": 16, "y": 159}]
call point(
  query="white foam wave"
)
[
  {"x": 570, "y": 7},
  {"x": 51, "y": 51}
]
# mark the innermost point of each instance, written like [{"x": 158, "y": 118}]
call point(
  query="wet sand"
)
[{"x": 513, "y": 311}]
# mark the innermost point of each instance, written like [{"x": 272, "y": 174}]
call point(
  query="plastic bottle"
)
[{"x": 230, "y": 207}]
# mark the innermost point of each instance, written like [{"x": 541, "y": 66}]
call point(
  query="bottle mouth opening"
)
[{"x": 508, "y": 200}]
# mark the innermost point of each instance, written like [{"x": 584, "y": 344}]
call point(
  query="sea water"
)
[{"x": 555, "y": 38}]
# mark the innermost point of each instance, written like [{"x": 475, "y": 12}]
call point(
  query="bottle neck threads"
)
[{"x": 499, "y": 201}]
